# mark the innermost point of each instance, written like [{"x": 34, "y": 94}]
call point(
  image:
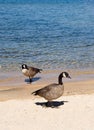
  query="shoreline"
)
[
  {"x": 19, "y": 110},
  {"x": 14, "y": 85}
]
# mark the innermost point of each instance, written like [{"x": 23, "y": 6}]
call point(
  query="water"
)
[{"x": 48, "y": 36}]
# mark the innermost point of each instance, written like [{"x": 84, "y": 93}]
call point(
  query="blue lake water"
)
[{"x": 48, "y": 36}]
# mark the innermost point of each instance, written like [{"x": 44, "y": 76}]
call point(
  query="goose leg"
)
[{"x": 30, "y": 80}]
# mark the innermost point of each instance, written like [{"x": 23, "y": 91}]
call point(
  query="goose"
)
[
  {"x": 54, "y": 90},
  {"x": 30, "y": 71}
]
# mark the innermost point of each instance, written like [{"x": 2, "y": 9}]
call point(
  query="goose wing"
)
[
  {"x": 33, "y": 69},
  {"x": 45, "y": 89}
]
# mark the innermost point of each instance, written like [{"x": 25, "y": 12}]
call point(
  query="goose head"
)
[
  {"x": 65, "y": 75},
  {"x": 24, "y": 66}
]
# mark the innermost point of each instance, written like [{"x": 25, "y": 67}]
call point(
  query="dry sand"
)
[
  {"x": 19, "y": 110},
  {"x": 74, "y": 113}
]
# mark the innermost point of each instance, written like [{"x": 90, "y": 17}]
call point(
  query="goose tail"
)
[
  {"x": 35, "y": 93},
  {"x": 40, "y": 70}
]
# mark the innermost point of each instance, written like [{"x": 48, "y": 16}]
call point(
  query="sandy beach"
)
[
  {"x": 73, "y": 113},
  {"x": 20, "y": 110},
  {"x": 54, "y": 36},
  {"x": 15, "y": 85}
]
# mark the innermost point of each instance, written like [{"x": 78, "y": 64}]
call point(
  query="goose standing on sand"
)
[
  {"x": 53, "y": 91},
  {"x": 30, "y": 71}
]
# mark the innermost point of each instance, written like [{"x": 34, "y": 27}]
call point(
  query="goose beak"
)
[{"x": 69, "y": 77}]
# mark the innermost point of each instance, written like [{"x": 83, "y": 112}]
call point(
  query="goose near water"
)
[
  {"x": 53, "y": 91},
  {"x": 30, "y": 71}
]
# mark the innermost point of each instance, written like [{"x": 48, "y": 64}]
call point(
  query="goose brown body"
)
[
  {"x": 50, "y": 92},
  {"x": 30, "y": 71},
  {"x": 53, "y": 91}
]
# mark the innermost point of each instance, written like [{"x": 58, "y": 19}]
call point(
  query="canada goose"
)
[
  {"x": 53, "y": 91},
  {"x": 30, "y": 71}
]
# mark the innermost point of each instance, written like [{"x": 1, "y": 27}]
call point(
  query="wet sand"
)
[{"x": 15, "y": 85}]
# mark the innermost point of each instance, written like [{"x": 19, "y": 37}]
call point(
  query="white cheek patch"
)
[
  {"x": 64, "y": 75},
  {"x": 24, "y": 66}
]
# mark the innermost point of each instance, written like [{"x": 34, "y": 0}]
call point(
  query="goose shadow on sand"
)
[
  {"x": 33, "y": 79},
  {"x": 53, "y": 104}
]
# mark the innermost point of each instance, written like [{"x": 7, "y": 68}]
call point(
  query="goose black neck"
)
[{"x": 60, "y": 79}]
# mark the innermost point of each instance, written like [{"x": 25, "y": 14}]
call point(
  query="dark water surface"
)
[{"x": 49, "y": 36}]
